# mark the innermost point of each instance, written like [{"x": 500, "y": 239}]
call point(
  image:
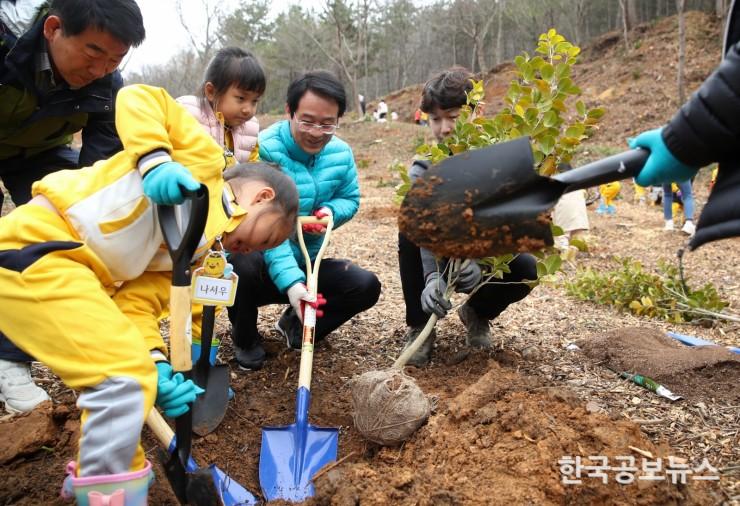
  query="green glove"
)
[{"x": 661, "y": 166}]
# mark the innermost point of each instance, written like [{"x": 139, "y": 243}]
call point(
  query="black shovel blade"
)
[
  {"x": 491, "y": 202},
  {"x": 190, "y": 487},
  {"x": 209, "y": 408},
  {"x": 481, "y": 203}
]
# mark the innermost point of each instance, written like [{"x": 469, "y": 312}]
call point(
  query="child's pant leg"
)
[{"x": 54, "y": 307}]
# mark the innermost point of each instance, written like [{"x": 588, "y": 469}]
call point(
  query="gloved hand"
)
[
  {"x": 164, "y": 183},
  {"x": 299, "y": 296},
  {"x": 433, "y": 296},
  {"x": 317, "y": 228},
  {"x": 661, "y": 166},
  {"x": 468, "y": 277},
  {"x": 174, "y": 393}
]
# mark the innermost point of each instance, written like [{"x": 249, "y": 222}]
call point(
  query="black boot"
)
[
  {"x": 291, "y": 328},
  {"x": 424, "y": 353},
  {"x": 251, "y": 358}
]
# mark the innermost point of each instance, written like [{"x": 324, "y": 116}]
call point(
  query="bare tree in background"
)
[
  {"x": 348, "y": 23},
  {"x": 205, "y": 43},
  {"x": 623, "y": 5},
  {"x": 474, "y": 19},
  {"x": 680, "y": 7},
  {"x": 720, "y": 8}
]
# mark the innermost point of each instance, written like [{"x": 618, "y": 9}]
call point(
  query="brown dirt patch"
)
[
  {"x": 704, "y": 372},
  {"x": 499, "y": 441}
]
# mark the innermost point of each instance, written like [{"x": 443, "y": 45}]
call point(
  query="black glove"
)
[{"x": 433, "y": 296}]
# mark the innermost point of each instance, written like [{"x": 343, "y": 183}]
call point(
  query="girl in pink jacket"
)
[{"x": 227, "y": 101}]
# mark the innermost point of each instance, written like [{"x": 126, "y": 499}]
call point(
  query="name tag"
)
[{"x": 212, "y": 291}]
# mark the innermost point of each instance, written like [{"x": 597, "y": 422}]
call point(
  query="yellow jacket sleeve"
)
[
  {"x": 154, "y": 129},
  {"x": 144, "y": 301}
]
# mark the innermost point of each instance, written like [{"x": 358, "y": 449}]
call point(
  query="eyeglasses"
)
[{"x": 307, "y": 126}]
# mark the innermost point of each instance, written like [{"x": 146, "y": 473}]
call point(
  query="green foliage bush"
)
[{"x": 661, "y": 295}]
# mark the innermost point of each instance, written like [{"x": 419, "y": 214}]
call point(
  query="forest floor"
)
[{"x": 504, "y": 417}]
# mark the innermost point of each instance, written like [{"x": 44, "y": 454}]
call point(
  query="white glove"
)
[{"x": 297, "y": 295}]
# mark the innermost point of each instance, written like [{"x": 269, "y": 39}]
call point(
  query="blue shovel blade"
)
[{"x": 290, "y": 456}]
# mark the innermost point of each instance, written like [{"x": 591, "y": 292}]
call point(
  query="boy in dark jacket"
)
[
  {"x": 421, "y": 280},
  {"x": 705, "y": 130}
]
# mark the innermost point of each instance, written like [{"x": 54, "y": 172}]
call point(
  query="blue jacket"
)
[
  {"x": 327, "y": 179},
  {"x": 31, "y": 122}
]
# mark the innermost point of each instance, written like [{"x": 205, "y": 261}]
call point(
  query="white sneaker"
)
[
  {"x": 17, "y": 389},
  {"x": 668, "y": 225},
  {"x": 688, "y": 228}
]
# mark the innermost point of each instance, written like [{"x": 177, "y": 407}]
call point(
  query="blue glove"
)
[
  {"x": 661, "y": 166},
  {"x": 468, "y": 277},
  {"x": 174, "y": 393},
  {"x": 433, "y": 296},
  {"x": 164, "y": 183}
]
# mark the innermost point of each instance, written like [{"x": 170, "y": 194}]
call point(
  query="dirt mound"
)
[
  {"x": 497, "y": 442},
  {"x": 705, "y": 372}
]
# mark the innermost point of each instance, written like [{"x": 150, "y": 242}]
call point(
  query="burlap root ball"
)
[{"x": 388, "y": 406}]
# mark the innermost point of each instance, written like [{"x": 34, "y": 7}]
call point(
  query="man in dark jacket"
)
[
  {"x": 57, "y": 76},
  {"x": 705, "y": 130}
]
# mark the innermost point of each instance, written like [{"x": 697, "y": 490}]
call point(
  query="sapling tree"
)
[{"x": 542, "y": 103}]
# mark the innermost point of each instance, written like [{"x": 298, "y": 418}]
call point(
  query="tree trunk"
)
[
  {"x": 499, "y": 32},
  {"x": 680, "y": 5},
  {"x": 720, "y": 8},
  {"x": 625, "y": 24},
  {"x": 632, "y": 19}
]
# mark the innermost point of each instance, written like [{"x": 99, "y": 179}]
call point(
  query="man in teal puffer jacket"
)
[{"x": 323, "y": 168}]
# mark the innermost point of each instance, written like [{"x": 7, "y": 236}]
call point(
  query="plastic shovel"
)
[
  {"x": 695, "y": 341},
  {"x": 291, "y": 455},
  {"x": 209, "y": 408},
  {"x": 229, "y": 492},
  {"x": 490, "y": 201},
  {"x": 195, "y": 487}
]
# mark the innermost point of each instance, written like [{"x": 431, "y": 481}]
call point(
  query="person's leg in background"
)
[
  {"x": 492, "y": 298},
  {"x": 668, "y": 206},
  {"x": 687, "y": 195},
  {"x": 255, "y": 289},
  {"x": 17, "y": 389}
]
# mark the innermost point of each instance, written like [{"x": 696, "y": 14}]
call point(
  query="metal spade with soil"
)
[{"x": 490, "y": 201}]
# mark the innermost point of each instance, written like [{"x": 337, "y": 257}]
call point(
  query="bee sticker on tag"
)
[{"x": 214, "y": 282}]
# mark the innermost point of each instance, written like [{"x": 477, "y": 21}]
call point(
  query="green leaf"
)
[
  {"x": 547, "y": 144},
  {"x": 547, "y": 71},
  {"x": 596, "y": 113},
  {"x": 581, "y": 108},
  {"x": 550, "y": 118}
]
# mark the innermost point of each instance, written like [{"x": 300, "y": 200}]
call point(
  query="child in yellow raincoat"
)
[
  {"x": 84, "y": 276},
  {"x": 609, "y": 192}
]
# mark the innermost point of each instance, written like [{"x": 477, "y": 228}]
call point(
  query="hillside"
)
[{"x": 634, "y": 88}]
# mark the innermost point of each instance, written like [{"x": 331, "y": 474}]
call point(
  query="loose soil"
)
[
  {"x": 706, "y": 372},
  {"x": 504, "y": 417}
]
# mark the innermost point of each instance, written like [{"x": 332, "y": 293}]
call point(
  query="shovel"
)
[
  {"x": 190, "y": 487},
  {"x": 490, "y": 201},
  {"x": 229, "y": 492},
  {"x": 291, "y": 455},
  {"x": 209, "y": 408}
]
